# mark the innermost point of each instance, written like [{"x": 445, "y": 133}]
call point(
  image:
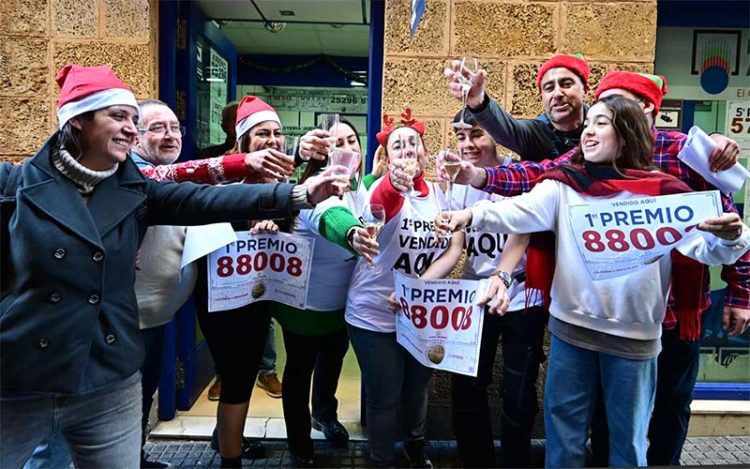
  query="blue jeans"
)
[
  {"x": 153, "y": 341},
  {"x": 102, "y": 428},
  {"x": 522, "y": 335},
  {"x": 573, "y": 377},
  {"x": 268, "y": 361},
  {"x": 392, "y": 377}
]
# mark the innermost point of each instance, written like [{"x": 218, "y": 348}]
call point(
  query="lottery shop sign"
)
[
  {"x": 440, "y": 323},
  {"x": 259, "y": 267},
  {"x": 618, "y": 237}
]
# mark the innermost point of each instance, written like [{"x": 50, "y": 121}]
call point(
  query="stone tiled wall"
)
[
  {"x": 37, "y": 37},
  {"x": 511, "y": 38}
]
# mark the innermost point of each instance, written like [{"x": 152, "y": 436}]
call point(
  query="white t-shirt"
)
[
  {"x": 407, "y": 245},
  {"x": 332, "y": 265},
  {"x": 485, "y": 248}
]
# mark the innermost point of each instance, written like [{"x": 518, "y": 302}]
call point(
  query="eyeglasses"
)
[{"x": 162, "y": 129}]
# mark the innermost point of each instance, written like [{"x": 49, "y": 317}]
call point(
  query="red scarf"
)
[{"x": 687, "y": 274}]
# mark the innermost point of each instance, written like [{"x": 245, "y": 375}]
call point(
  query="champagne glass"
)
[
  {"x": 452, "y": 165},
  {"x": 291, "y": 144},
  {"x": 344, "y": 163},
  {"x": 472, "y": 66},
  {"x": 327, "y": 123},
  {"x": 410, "y": 157},
  {"x": 374, "y": 218}
]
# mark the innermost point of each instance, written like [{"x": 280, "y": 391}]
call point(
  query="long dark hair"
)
[
  {"x": 633, "y": 132},
  {"x": 314, "y": 166},
  {"x": 69, "y": 137}
]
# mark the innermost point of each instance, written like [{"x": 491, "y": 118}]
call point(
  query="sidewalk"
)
[{"x": 733, "y": 451}]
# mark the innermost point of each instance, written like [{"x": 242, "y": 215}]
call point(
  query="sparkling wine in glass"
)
[
  {"x": 471, "y": 64},
  {"x": 374, "y": 219},
  {"x": 344, "y": 163}
]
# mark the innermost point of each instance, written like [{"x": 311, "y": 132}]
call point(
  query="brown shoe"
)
[
  {"x": 271, "y": 384},
  {"x": 214, "y": 392}
]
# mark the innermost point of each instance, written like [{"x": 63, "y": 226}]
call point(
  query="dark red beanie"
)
[
  {"x": 573, "y": 63},
  {"x": 650, "y": 87}
]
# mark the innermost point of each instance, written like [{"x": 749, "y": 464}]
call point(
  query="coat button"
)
[
  {"x": 55, "y": 297},
  {"x": 109, "y": 339},
  {"x": 60, "y": 253},
  {"x": 43, "y": 342},
  {"x": 98, "y": 256},
  {"x": 94, "y": 299}
]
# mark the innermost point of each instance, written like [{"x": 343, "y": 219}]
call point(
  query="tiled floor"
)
[{"x": 265, "y": 418}]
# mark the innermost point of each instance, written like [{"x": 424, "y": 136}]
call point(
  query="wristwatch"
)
[
  {"x": 505, "y": 277},
  {"x": 350, "y": 236}
]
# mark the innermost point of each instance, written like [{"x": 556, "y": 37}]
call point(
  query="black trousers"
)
[
  {"x": 236, "y": 339},
  {"x": 317, "y": 360},
  {"x": 522, "y": 341}
]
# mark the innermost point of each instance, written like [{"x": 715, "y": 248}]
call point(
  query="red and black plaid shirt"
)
[{"x": 517, "y": 178}]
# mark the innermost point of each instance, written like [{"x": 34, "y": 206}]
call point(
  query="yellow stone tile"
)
[
  {"x": 74, "y": 17},
  {"x": 431, "y": 38},
  {"x": 418, "y": 84},
  {"x": 525, "y": 101},
  {"x": 131, "y": 62},
  {"x": 127, "y": 18},
  {"x": 24, "y": 64},
  {"x": 503, "y": 29},
  {"x": 615, "y": 31},
  {"x": 23, "y": 17},
  {"x": 23, "y": 125}
]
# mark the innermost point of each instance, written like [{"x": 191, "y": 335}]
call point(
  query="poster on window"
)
[
  {"x": 259, "y": 267},
  {"x": 738, "y": 123},
  {"x": 439, "y": 322}
]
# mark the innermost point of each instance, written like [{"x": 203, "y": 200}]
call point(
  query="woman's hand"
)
[
  {"x": 393, "y": 303},
  {"x": 380, "y": 166},
  {"x": 323, "y": 186},
  {"x": 499, "y": 291},
  {"x": 728, "y": 226},
  {"x": 265, "y": 226},
  {"x": 364, "y": 244},
  {"x": 449, "y": 222},
  {"x": 313, "y": 145},
  {"x": 269, "y": 163},
  {"x": 400, "y": 179}
]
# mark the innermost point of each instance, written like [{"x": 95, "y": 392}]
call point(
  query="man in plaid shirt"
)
[{"x": 678, "y": 361}]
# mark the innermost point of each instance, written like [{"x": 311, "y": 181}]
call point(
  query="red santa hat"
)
[
  {"x": 574, "y": 63},
  {"x": 84, "y": 89},
  {"x": 649, "y": 87},
  {"x": 252, "y": 111},
  {"x": 389, "y": 125}
]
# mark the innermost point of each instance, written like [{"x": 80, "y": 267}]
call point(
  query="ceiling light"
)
[
  {"x": 275, "y": 26},
  {"x": 286, "y": 12},
  {"x": 337, "y": 25}
]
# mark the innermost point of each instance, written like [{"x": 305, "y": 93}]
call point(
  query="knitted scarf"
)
[{"x": 687, "y": 274}]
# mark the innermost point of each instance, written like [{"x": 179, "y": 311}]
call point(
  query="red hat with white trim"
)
[
  {"x": 575, "y": 63},
  {"x": 252, "y": 111},
  {"x": 650, "y": 87},
  {"x": 84, "y": 89}
]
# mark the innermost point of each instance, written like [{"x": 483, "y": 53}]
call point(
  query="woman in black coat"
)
[{"x": 75, "y": 214}]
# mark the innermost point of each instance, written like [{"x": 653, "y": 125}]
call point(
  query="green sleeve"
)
[
  {"x": 335, "y": 223},
  {"x": 368, "y": 180}
]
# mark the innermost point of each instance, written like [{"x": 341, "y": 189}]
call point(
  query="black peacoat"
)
[{"x": 68, "y": 317}]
